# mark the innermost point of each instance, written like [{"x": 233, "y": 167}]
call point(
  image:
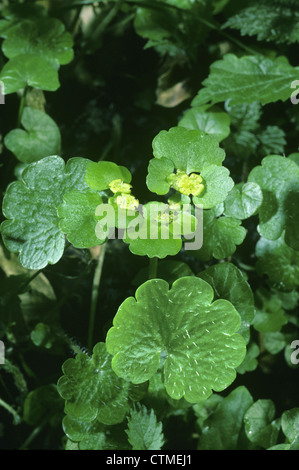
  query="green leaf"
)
[
  {"x": 31, "y": 70},
  {"x": 183, "y": 4},
  {"x": 243, "y": 141},
  {"x": 92, "y": 390},
  {"x": 40, "y": 138},
  {"x": 279, "y": 262},
  {"x": 189, "y": 152},
  {"x": 278, "y": 178},
  {"x": 243, "y": 201},
  {"x": 15, "y": 13},
  {"x": 247, "y": 79},
  {"x": 158, "y": 172},
  {"x": 294, "y": 157},
  {"x": 144, "y": 431},
  {"x": 250, "y": 362},
  {"x": 217, "y": 186},
  {"x": 30, "y": 205},
  {"x": 183, "y": 325},
  {"x": 45, "y": 37},
  {"x": 224, "y": 427},
  {"x": 272, "y": 141},
  {"x": 151, "y": 24},
  {"x": 210, "y": 121},
  {"x": 221, "y": 235},
  {"x": 229, "y": 283},
  {"x": 93, "y": 435},
  {"x": 260, "y": 426},
  {"x": 270, "y": 316},
  {"x": 100, "y": 175},
  {"x": 78, "y": 218},
  {"x": 43, "y": 404},
  {"x": 274, "y": 342},
  {"x": 42, "y": 336},
  {"x": 290, "y": 424},
  {"x": 156, "y": 236},
  {"x": 268, "y": 22}
]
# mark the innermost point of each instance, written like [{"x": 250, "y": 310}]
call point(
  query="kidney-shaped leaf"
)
[
  {"x": 40, "y": 138},
  {"x": 278, "y": 178},
  {"x": 45, "y": 37},
  {"x": 31, "y": 70},
  {"x": 183, "y": 326}
]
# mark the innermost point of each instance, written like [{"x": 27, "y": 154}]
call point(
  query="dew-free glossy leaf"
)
[
  {"x": 93, "y": 435},
  {"x": 30, "y": 205},
  {"x": 92, "y": 390},
  {"x": 279, "y": 262},
  {"x": 229, "y": 283},
  {"x": 39, "y": 138},
  {"x": 99, "y": 175},
  {"x": 278, "y": 178},
  {"x": 183, "y": 325},
  {"x": 31, "y": 70},
  {"x": 250, "y": 362},
  {"x": 45, "y": 37},
  {"x": 210, "y": 121},
  {"x": 189, "y": 151},
  {"x": 243, "y": 201},
  {"x": 150, "y": 236},
  {"x": 221, "y": 235},
  {"x": 78, "y": 218},
  {"x": 270, "y": 316}
]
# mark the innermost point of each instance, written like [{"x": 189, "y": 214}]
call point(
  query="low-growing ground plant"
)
[{"x": 149, "y": 256}]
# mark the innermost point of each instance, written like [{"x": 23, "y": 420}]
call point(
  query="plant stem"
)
[
  {"x": 22, "y": 105},
  {"x": 10, "y": 409},
  {"x": 95, "y": 294},
  {"x": 108, "y": 18},
  {"x": 32, "y": 436},
  {"x": 153, "y": 268}
]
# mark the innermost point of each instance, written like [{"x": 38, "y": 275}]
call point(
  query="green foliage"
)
[
  {"x": 190, "y": 152},
  {"x": 180, "y": 334},
  {"x": 275, "y": 22},
  {"x": 228, "y": 282},
  {"x": 32, "y": 227},
  {"x": 149, "y": 252},
  {"x": 247, "y": 79},
  {"x": 279, "y": 262},
  {"x": 210, "y": 121},
  {"x": 104, "y": 398},
  {"x": 243, "y": 201},
  {"x": 144, "y": 432},
  {"x": 40, "y": 137},
  {"x": 32, "y": 70},
  {"x": 221, "y": 235},
  {"x": 223, "y": 430},
  {"x": 279, "y": 210},
  {"x": 77, "y": 218},
  {"x": 45, "y": 37},
  {"x": 260, "y": 427}
]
